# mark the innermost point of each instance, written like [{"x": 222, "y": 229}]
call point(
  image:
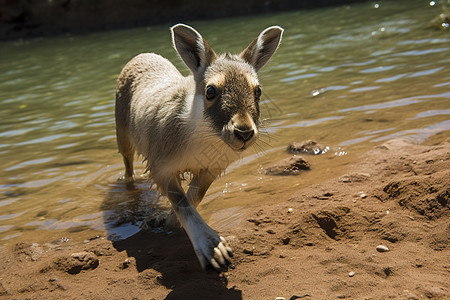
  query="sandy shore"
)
[{"x": 320, "y": 243}]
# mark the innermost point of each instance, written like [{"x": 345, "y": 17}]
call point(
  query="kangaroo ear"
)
[
  {"x": 263, "y": 47},
  {"x": 192, "y": 48}
]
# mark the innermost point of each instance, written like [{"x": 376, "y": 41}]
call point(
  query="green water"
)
[{"x": 350, "y": 77}]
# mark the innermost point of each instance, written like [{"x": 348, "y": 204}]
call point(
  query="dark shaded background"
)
[{"x": 33, "y": 18}]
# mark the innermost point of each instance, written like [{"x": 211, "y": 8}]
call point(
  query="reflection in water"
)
[
  {"x": 130, "y": 206},
  {"x": 349, "y": 77}
]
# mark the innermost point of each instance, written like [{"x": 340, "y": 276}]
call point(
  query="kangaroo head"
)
[{"x": 228, "y": 84}]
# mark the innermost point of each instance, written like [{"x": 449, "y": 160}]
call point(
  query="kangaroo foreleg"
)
[{"x": 209, "y": 247}]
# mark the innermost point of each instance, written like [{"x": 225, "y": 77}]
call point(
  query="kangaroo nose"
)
[{"x": 244, "y": 135}]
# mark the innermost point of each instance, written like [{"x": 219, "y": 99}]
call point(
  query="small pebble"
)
[
  {"x": 286, "y": 240},
  {"x": 363, "y": 196},
  {"x": 280, "y": 298},
  {"x": 351, "y": 274},
  {"x": 128, "y": 261},
  {"x": 388, "y": 271},
  {"x": 248, "y": 251},
  {"x": 290, "y": 210},
  {"x": 382, "y": 248}
]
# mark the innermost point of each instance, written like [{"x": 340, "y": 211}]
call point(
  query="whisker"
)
[
  {"x": 260, "y": 151},
  {"x": 270, "y": 136},
  {"x": 269, "y": 102},
  {"x": 261, "y": 141}
]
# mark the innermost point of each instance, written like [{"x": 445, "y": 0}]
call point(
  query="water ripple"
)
[
  {"x": 44, "y": 139},
  {"x": 424, "y": 41},
  {"x": 425, "y": 72},
  {"x": 356, "y": 140},
  {"x": 396, "y": 103},
  {"x": 418, "y": 134},
  {"x": 307, "y": 123},
  {"x": 16, "y": 132},
  {"x": 431, "y": 113},
  {"x": 10, "y": 216},
  {"x": 39, "y": 183},
  {"x": 442, "y": 84},
  {"x": 30, "y": 162},
  {"x": 7, "y": 202},
  {"x": 377, "y": 69},
  {"x": 5, "y": 227},
  {"x": 294, "y": 78},
  {"x": 421, "y": 52},
  {"x": 392, "y": 78},
  {"x": 365, "y": 89}
]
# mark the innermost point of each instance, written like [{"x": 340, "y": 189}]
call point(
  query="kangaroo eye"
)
[
  {"x": 211, "y": 92},
  {"x": 257, "y": 93}
]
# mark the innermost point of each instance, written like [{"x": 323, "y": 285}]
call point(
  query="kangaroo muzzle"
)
[{"x": 240, "y": 132}]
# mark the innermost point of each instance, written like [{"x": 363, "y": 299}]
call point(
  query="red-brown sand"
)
[{"x": 319, "y": 243}]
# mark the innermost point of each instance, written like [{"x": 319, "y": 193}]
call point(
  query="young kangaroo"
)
[{"x": 198, "y": 124}]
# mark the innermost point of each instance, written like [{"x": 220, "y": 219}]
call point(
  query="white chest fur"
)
[{"x": 212, "y": 154}]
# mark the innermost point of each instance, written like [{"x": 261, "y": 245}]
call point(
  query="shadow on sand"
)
[{"x": 163, "y": 258}]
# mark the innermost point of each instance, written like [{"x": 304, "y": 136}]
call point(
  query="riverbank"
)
[
  {"x": 26, "y": 19},
  {"x": 319, "y": 243}
]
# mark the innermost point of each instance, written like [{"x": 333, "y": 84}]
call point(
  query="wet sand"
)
[{"x": 319, "y": 243}]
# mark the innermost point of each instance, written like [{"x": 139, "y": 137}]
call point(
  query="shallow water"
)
[{"x": 350, "y": 77}]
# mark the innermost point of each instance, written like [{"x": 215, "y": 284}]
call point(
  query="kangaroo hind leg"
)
[{"x": 127, "y": 151}]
